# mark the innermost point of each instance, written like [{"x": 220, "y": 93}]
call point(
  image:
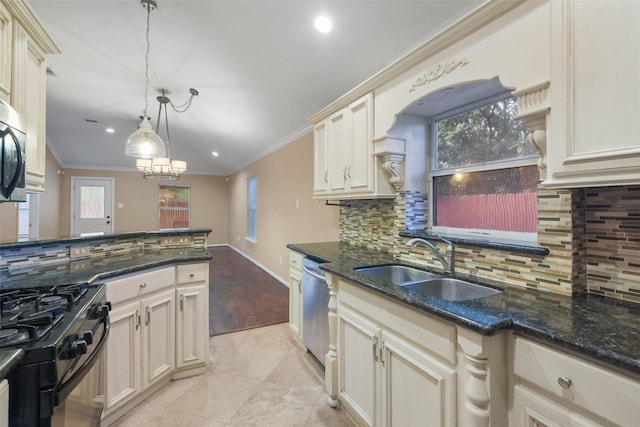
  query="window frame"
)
[
  {"x": 252, "y": 207},
  {"x": 433, "y": 171},
  {"x": 160, "y": 208}
]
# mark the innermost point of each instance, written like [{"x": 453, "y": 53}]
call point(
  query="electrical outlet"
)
[{"x": 79, "y": 251}]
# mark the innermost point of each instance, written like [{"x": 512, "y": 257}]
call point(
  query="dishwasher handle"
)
[{"x": 313, "y": 273}]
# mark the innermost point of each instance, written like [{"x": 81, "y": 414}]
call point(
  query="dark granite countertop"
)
[
  {"x": 8, "y": 359},
  {"x": 603, "y": 329},
  {"x": 99, "y": 268}
]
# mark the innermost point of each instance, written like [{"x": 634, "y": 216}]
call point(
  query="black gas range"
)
[{"x": 62, "y": 330}]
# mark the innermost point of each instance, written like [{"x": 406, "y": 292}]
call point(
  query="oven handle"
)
[{"x": 63, "y": 390}]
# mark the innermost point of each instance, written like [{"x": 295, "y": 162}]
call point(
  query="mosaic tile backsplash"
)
[
  {"x": 593, "y": 236},
  {"x": 52, "y": 253}
]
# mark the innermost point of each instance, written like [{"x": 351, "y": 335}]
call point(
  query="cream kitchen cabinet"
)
[
  {"x": 192, "y": 319},
  {"x": 295, "y": 294},
  {"x": 344, "y": 164},
  {"x": 594, "y": 125},
  {"x": 141, "y": 347},
  {"x": 397, "y": 367},
  {"x": 554, "y": 388},
  {"x": 5, "y": 54},
  {"x": 4, "y": 403},
  {"x": 29, "y": 43}
]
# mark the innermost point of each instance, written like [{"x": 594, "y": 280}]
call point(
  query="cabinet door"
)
[
  {"x": 337, "y": 130},
  {"x": 123, "y": 354},
  {"x": 28, "y": 97},
  {"x": 530, "y": 409},
  {"x": 295, "y": 302},
  {"x": 358, "y": 352},
  {"x": 416, "y": 388},
  {"x": 4, "y": 403},
  {"x": 158, "y": 336},
  {"x": 192, "y": 328},
  {"x": 361, "y": 161},
  {"x": 320, "y": 166},
  {"x": 595, "y": 126},
  {"x": 5, "y": 54}
]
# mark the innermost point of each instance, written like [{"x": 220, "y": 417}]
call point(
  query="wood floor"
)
[{"x": 241, "y": 295}]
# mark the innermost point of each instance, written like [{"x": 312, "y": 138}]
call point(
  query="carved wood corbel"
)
[
  {"x": 391, "y": 154},
  {"x": 534, "y": 108}
]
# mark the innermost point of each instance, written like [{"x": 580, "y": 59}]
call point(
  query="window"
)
[
  {"x": 252, "y": 195},
  {"x": 484, "y": 175},
  {"x": 174, "y": 206}
]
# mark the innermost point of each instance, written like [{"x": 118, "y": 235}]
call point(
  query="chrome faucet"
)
[{"x": 448, "y": 263}]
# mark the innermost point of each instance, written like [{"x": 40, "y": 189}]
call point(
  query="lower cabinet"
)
[
  {"x": 553, "y": 388},
  {"x": 140, "y": 351},
  {"x": 387, "y": 375},
  {"x": 192, "y": 318},
  {"x": 531, "y": 409},
  {"x": 295, "y": 294},
  {"x": 4, "y": 403}
]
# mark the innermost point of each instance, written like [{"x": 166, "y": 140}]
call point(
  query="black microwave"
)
[{"x": 13, "y": 139}]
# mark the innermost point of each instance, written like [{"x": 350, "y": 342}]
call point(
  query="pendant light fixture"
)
[
  {"x": 144, "y": 142},
  {"x": 163, "y": 167}
]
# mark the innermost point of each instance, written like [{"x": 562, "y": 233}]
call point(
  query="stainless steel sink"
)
[
  {"x": 450, "y": 289},
  {"x": 396, "y": 274}
]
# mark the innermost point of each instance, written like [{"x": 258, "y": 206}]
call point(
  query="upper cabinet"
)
[
  {"x": 27, "y": 42},
  {"x": 5, "y": 54},
  {"x": 344, "y": 163},
  {"x": 594, "y": 129}
]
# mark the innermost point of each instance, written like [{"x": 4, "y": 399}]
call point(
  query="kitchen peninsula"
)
[{"x": 155, "y": 286}]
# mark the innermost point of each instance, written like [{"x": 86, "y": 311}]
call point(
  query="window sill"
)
[
  {"x": 250, "y": 240},
  {"x": 482, "y": 243}
]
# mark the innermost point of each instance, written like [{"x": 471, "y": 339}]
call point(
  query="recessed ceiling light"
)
[
  {"x": 215, "y": 154},
  {"x": 323, "y": 24},
  {"x": 110, "y": 130}
]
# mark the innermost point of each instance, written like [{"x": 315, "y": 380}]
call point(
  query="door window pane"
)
[
  {"x": 174, "y": 206},
  {"x": 91, "y": 202}
]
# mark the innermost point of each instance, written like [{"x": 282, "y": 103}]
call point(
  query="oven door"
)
[{"x": 79, "y": 396}]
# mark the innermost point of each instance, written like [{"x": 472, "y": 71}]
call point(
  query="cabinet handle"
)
[
  {"x": 344, "y": 174},
  {"x": 137, "y": 319},
  {"x": 147, "y": 315},
  {"x": 143, "y": 285},
  {"x": 326, "y": 176},
  {"x": 374, "y": 344},
  {"x": 349, "y": 171},
  {"x": 191, "y": 275},
  {"x": 300, "y": 286},
  {"x": 565, "y": 382},
  {"x": 181, "y": 302}
]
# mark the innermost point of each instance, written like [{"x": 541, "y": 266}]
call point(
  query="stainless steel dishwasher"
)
[{"x": 315, "y": 310}]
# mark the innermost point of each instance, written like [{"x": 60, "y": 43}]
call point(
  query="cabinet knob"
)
[
  {"x": 143, "y": 285},
  {"x": 565, "y": 382},
  {"x": 191, "y": 275}
]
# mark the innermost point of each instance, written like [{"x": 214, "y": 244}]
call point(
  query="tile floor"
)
[{"x": 258, "y": 377}]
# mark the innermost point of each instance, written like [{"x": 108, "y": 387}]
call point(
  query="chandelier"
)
[
  {"x": 144, "y": 142},
  {"x": 164, "y": 167},
  {"x": 152, "y": 154}
]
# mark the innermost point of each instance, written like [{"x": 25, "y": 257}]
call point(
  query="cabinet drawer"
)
[
  {"x": 139, "y": 284},
  {"x": 295, "y": 260},
  {"x": 190, "y": 273},
  {"x": 599, "y": 390}
]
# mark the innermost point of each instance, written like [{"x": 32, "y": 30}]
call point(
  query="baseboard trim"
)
[{"x": 257, "y": 264}]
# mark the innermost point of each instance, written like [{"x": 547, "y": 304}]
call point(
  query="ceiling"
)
[{"x": 260, "y": 66}]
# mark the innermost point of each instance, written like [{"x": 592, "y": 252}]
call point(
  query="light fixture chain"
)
[
  {"x": 166, "y": 120},
  {"x": 146, "y": 65}
]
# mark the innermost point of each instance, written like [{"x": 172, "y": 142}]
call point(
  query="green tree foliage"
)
[{"x": 486, "y": 134}]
